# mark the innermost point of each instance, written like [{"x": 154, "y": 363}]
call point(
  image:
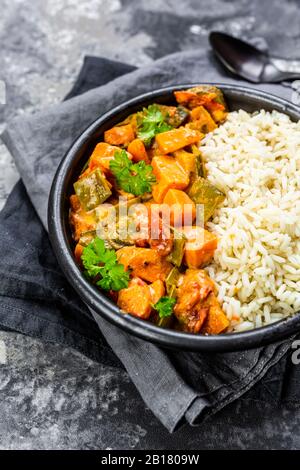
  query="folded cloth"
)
[{"x": 36, "y": 299}]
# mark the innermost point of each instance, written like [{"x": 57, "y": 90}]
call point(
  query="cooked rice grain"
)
[{"x": 255, "y": 161}]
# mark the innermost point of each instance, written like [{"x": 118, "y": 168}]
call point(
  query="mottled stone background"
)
[{"x": 54, "y": 398}]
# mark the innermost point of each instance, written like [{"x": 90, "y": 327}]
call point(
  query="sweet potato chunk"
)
[
  {"x": 193, "y": 288},
  {"x": 187, "y": 160},
  {"x": 80, "y": 220},
  {"x": 202, "y": 120},
  {"x": 138, "y": 151},
  {"x": 182, "y": 208},
  {"x": 102, "y": 155},
  {"x": 157, "y": 290},
  {"x": 216, "y": 320},
  {"x": 135, "y": 299},
  {"x": 200, "y": 246},
  {"x": 119, "y": 135},
  {"x": 169, "y": 174},
  {"x": 192, "y": 98},
  {"x": 176, "y": 139},
  {"x": 145, "y": 263}
]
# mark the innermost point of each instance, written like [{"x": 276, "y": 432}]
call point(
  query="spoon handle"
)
[{"x": 286, "y": 65}]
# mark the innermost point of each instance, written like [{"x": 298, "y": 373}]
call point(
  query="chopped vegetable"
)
[
  {"x": 101, "y": 265},
  {"x": 216, "y": 321},
  {"x": 119, "y": 135},
  {"x": 200, "y": 163},
  {"x": 203, "y": 192},
  {"x": 200, "y": 96},
  {"x": 136, "y": 299},
  {"x": 182, "y": 208},
  {"x": 80, "y": 220},
  {"x": 176, "y": 139},
  {"x": 187, "y": 160},
  {"x": 138, "y": 151},
  {"x": 169, "y": 174},
  {"x": 151, "y": 122},
  {"x": 191, "y": 308},
  {"x": 135, "y": 178},
  {"x": 92, "y": 190},
  {"x": 200, "y": 246},
  {"x": 149, "y": 167},
  {"x": 171, "y": 282},
  {"x": 102, "y": 155},
  {"x": 176, "y": 255},
  {"x": 175, "y": 116},
  {"x": 157, "y": 290},
  {"x": 165, "y": 306},
  {"x": 145, "y": 263},
  {"x": 202, "y": 120}
]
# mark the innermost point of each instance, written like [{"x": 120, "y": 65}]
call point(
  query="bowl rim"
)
[{"x": 103, "y": 306}]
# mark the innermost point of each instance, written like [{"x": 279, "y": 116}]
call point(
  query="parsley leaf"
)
[
  {"x": 150, "y": 123},
  {"x": 101, "y": 263},
  {"x": 165, "y": 306},
  {"x": 135, "y": 178}
]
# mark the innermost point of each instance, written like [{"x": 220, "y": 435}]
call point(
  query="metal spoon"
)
[{"x": 245, "y": 60}]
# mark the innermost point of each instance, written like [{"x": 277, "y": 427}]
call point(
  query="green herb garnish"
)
[
  {"x": 134, "y": 178},
  {"x": 165, "y": 306},
  {"x": 150, "y": 123},
  {"x": 101, "y": 264}
]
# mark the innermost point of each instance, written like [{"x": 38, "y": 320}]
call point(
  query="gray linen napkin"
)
[{"x": 177, "y": 387}]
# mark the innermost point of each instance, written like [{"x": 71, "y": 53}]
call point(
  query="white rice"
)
[{"x": 255, "y": 161}]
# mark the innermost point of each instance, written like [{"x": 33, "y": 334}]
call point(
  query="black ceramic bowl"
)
[{"x": 237, "y": 98}]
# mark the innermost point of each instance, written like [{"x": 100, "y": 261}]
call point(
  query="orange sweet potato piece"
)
[
  {"x": 169, "y": 174},
  {"x": 216, "y": 320},
  {"x": 135, "y": 299},
  {"x": 138, "y": 151},
  {"x": 182, "y": 208},
  {"x": 202, "y": 120},
  {"x": 102, "y": 155},
  {"x": 157, "y": 290},
  {"x": 80, "y": 220},
  {"x": 176, "y": 139},
  {"x": 192, "y": 99},
  {"x": 187, "y": 160},
  {"x": 119, "y": 135},
  {"x": 200, "y": 246},
  {"x": 145, "y": 263}
]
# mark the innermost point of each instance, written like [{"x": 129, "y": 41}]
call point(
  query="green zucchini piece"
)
[
  {"x": 92, "y": 190},
  {"x": 203, "y": 192}
]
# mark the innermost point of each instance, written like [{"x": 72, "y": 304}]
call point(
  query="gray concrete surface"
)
[{"x": 54, "y": 398}]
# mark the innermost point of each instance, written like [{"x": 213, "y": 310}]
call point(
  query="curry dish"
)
[{"x": 149, "y": 162}]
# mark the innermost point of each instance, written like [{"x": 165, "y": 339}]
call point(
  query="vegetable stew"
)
[{"x": 139, "y": 210}]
